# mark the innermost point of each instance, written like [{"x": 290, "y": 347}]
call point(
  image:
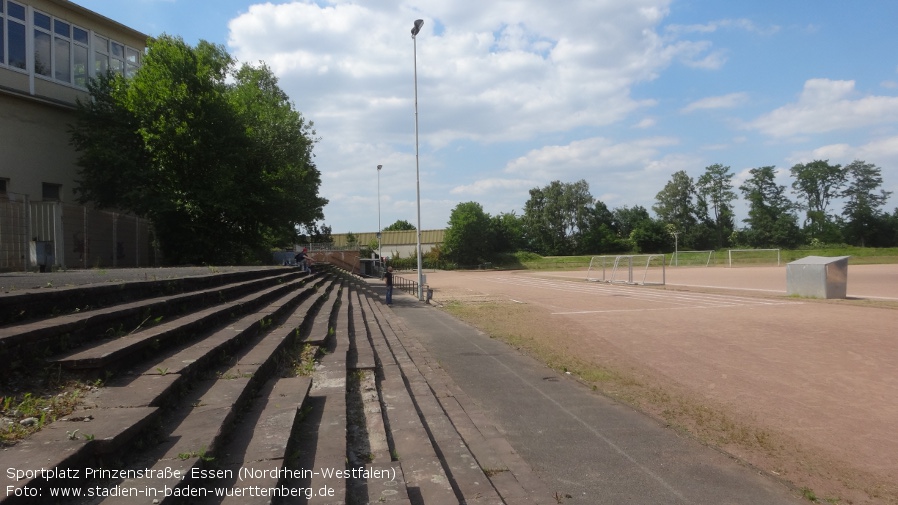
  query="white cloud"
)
[
  {"x": 597, "y": 154},
  {"x": 487, "y": 72},
  {"x": 882, "y": 152},
  {"x": 713, "y": 26},
  {"x": 488, "y": 186},
  {"x": 646, "y": 123},
  {"x": 717, "y": 102},
  {"x": 826, "y": 105}
]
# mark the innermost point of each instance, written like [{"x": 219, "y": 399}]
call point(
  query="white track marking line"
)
[{"x": 681, "y": 299}]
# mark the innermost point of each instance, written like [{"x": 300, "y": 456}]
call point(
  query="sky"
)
[{"x": 515, "y": 94}]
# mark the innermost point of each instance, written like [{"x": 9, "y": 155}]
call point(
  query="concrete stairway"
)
[{"x": 209, "y": 395}]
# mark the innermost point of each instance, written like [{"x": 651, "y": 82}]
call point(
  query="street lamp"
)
[
  {"x": 415, "y": 29},
  {"x": 380, "y": 253}
]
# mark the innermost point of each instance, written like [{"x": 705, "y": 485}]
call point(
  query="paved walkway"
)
[{"x": 583, "y": 446}]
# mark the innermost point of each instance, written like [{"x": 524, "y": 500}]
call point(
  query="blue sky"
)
[{"x": 513, "y": 94}]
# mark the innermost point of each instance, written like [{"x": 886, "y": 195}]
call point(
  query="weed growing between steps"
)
[{"x": 28, "y": 403}]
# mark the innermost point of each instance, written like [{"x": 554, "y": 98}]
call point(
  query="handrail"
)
[{"x": 409, "y": 286}]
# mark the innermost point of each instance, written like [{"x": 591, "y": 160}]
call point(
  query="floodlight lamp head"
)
[
  {"x": 379, "y": 167},
  {"x": 417, "y": 28}
]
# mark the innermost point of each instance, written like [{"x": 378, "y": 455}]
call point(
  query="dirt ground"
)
[{"x": 805, "y": 390}]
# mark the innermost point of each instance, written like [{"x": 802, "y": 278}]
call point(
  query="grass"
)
[
  {"x": 859, "y": 256},
  {"x": 40, "y": 408}
]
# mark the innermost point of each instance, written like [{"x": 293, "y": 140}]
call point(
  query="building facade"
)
[
  {"x": 394, "y": 244},
  {"x": 49, "y": 49}
]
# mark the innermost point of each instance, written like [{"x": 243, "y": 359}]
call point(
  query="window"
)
[
  {"x": 42, "y": 60},
  {"x": 101, "y": 55},
  {"x": 80, "y": 52},
  {"x": 51, "y": 192},
  {"x": 132, "y": 62},
  {"x": 2, "y": 38},
  {"x": 62, "y": 45},
  {"x": 59, "y": 50},
  {"x": 15, "y": 35}
]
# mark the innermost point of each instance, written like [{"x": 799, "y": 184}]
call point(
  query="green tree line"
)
[
  {"x": 212, "y": 152},
  {"x": 695, "y": 214}
]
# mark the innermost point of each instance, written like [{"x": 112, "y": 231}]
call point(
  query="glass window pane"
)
[
  {"x": 117, "y": 66},
  {"x": 80, "y": 66},
  {"x": 101, "y": 64},
  {"x": 117, "y": 50},
  {"x": 42, "y": 21},
  {"x": 62, "y": 28},
  {"x": 2, "y": 38},
  {"x": 101, "y": 44},
  {"x": 15, "y": 10},
  {"x": 79, "y": 35},
  {"x": 63, "y": 70},
  {"x": 132, "y": 55},
  {"x": 41, "y": 53},
  {"x": 16, "y": 44}
]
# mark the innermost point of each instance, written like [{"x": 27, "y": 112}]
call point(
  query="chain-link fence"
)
[{"x": 44, "y": 235}]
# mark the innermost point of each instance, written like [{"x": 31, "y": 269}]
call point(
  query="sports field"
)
[{"x": 803, "y": 389}]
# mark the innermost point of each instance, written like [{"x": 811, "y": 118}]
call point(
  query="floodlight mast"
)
[
  {"x": 415, "y": 29},
  {"x": 380, "y": 253}
]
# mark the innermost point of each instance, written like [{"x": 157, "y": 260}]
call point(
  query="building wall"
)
[
  {"x": 36, "y": 113},
  {"x": 37, "y": 110},
  {"x": 396, "y": 244},
  {"x": 35, "y": 145}
]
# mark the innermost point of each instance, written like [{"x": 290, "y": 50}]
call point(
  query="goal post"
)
[
  {"x": 641, "y": 269},
  {"x": 691, "y": 258},
  {"x": 753, "y": 257}
]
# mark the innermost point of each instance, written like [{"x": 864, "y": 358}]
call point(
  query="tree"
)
[
  {"x": 219, "y": 161},
  {"x": 507, "y": 232},
  {"x": 650, "y": 236},
  {"x": 715, "y": 187},
  {"x": 816, "y": 184},
  {"x": 675, "y": 204},
  {"x": 279, "y": 180},
  {"x": 556, "y": 216},
  {"x": 467, "y": 239},
  {"x": 626, "y": 219},
  {"x": 599, "y": 234},
  {"x": 771, "y": 218},
  {"x": 864, "y": 199},
  {"x": 400, "y": 225}
]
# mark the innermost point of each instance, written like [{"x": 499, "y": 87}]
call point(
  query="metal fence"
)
[{"x": 43, "y": 235}]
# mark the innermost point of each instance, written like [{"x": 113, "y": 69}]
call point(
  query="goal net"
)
[
  {"x": 642, "y": 269},
  {"x": 753, "y": 257},
  {"x": 692, "y": 259}
]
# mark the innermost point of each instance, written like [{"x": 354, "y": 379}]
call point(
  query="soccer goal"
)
[
  {"x": 691, "y": 258},
  {"x": 753, "y": 257},
  {"x": 642, "y": 269}
]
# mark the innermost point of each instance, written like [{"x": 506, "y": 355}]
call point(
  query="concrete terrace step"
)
[
  {"x": 219, "y": 407},
  {"x": 156, "y": 379},
  {"x": 106, "y": 353},
  {"x": 43, "y": 302},
  {"x": 55, "y": 447},
  {"x": 19, "y": 343},
  {"x": 214, "y": 410}
]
